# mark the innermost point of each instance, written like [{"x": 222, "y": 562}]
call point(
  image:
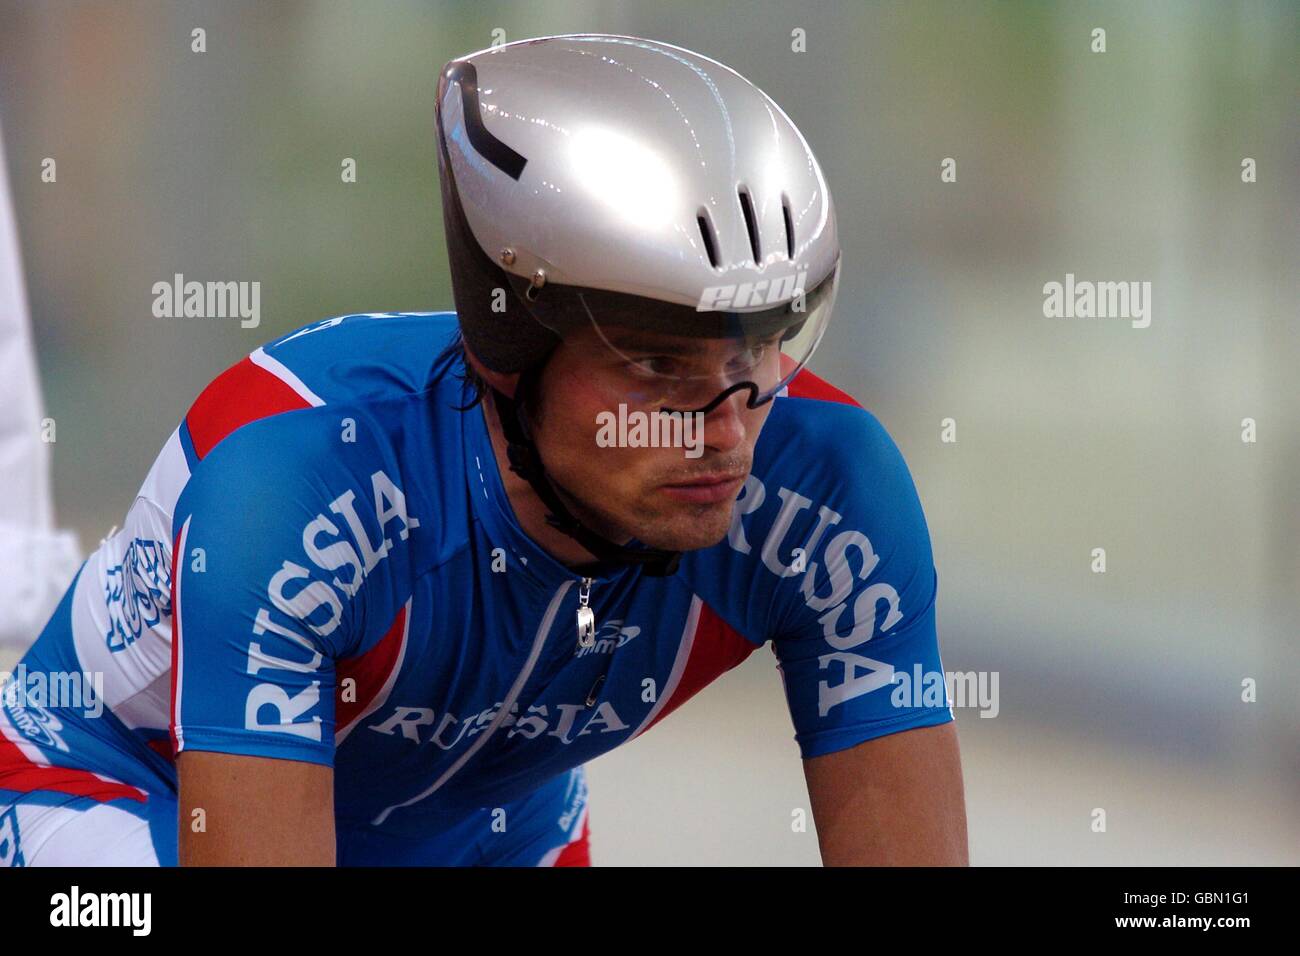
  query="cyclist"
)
[{"x": 395, "y": 578}]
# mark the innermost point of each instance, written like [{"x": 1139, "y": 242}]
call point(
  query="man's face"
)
[{"x": 678, "y": 498}]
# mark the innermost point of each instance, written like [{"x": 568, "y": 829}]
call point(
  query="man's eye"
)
[
  {"x": 754, "y": 354},
  {"x": 653, "y": 365}
]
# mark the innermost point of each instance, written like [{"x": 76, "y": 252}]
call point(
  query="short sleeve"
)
[
  {"x": 267, "y": 575},
  {"x": 857, "y": 648}
]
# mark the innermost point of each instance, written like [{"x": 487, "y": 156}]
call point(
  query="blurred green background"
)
[{"x": 1119, "y": 690}]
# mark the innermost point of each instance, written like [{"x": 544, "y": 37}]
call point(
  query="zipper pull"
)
[{"x": 586, "y": 616}]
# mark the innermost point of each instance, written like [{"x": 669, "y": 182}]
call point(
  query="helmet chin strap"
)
[{"x": 527, "y": 463}]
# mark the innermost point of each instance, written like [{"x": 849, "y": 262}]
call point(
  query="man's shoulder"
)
[
  {"x": 826, "y": 472},
  {"x": 349, "y": 365},
  {"x": 827, "y": 478},
  {"x": 362, "y": 354},
  {"x": 828, "y": 514},
  {"x": 821, "y": 437},
  {"x": 336, "y": 407}
]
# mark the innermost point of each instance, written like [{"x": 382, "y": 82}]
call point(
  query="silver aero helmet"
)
[
  {"x": 624, "y": 190},
  {"x": 639, "y": 201}
]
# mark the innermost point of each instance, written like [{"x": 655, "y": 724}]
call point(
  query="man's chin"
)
[
  {"x": 701, "y": 528},
  {"x": 669, "y": 525}
]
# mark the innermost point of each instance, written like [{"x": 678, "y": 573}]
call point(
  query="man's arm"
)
[
  {"x": 257, "y": 811},
  {"x": 267, "y": 595},
  {"x": 892, "y": 801}
]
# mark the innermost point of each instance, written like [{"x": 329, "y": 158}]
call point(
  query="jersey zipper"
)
[
  {"x": 586, "y": 616},
  {"x": 587, "y": 636}
]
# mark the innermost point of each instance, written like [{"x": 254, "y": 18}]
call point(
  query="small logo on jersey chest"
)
[{"x": 610, "y": 637}]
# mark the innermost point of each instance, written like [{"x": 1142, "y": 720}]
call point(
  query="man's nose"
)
[{"x": 724, "y": 426}]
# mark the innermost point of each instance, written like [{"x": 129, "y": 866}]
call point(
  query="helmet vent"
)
[
  {"x": 706, "y": 233},
  {"x": 789, "y": 227},
  {"x": 751, "y": 227}
]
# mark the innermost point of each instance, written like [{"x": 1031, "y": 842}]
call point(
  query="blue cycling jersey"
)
[{"x": 323, "y": 565}]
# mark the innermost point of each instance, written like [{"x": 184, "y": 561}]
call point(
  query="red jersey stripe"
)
[
  {"x": 577, "y": 853},
  {"x": 808, "y": 385},
  {"x": 241, "y": 394},
  {"x": 717, "y": 648},
  {"x": 371, "y": 671},
  {"x": 19, "y": 773}
]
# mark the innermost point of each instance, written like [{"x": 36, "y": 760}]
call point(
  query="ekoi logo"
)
[
  {"x": 611, "y": 636},
  {"x": 740, "y": 295}
]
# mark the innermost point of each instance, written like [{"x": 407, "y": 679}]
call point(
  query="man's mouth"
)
[{"x": 707, "y": 489}]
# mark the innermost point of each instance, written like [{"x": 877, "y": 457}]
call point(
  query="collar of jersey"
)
[{"x": 491, "y": 506}]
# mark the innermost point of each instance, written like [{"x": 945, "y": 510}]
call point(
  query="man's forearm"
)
[
  {"x": 893, "y": 801},
  {"x": 254, "y": 811}
]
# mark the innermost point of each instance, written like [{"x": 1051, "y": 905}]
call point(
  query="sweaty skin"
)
[{"x": 894, "y": 800}]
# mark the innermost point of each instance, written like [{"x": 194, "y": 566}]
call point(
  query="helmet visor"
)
[{"x": 662, "y": 356}]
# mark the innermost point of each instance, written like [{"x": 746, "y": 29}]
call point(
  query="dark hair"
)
[
  {"x": 454, "y": 357},
  {"x": 473, "y": 386}
]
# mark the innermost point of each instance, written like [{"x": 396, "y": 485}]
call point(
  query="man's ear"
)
[{"x": 504, "y": 382}]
